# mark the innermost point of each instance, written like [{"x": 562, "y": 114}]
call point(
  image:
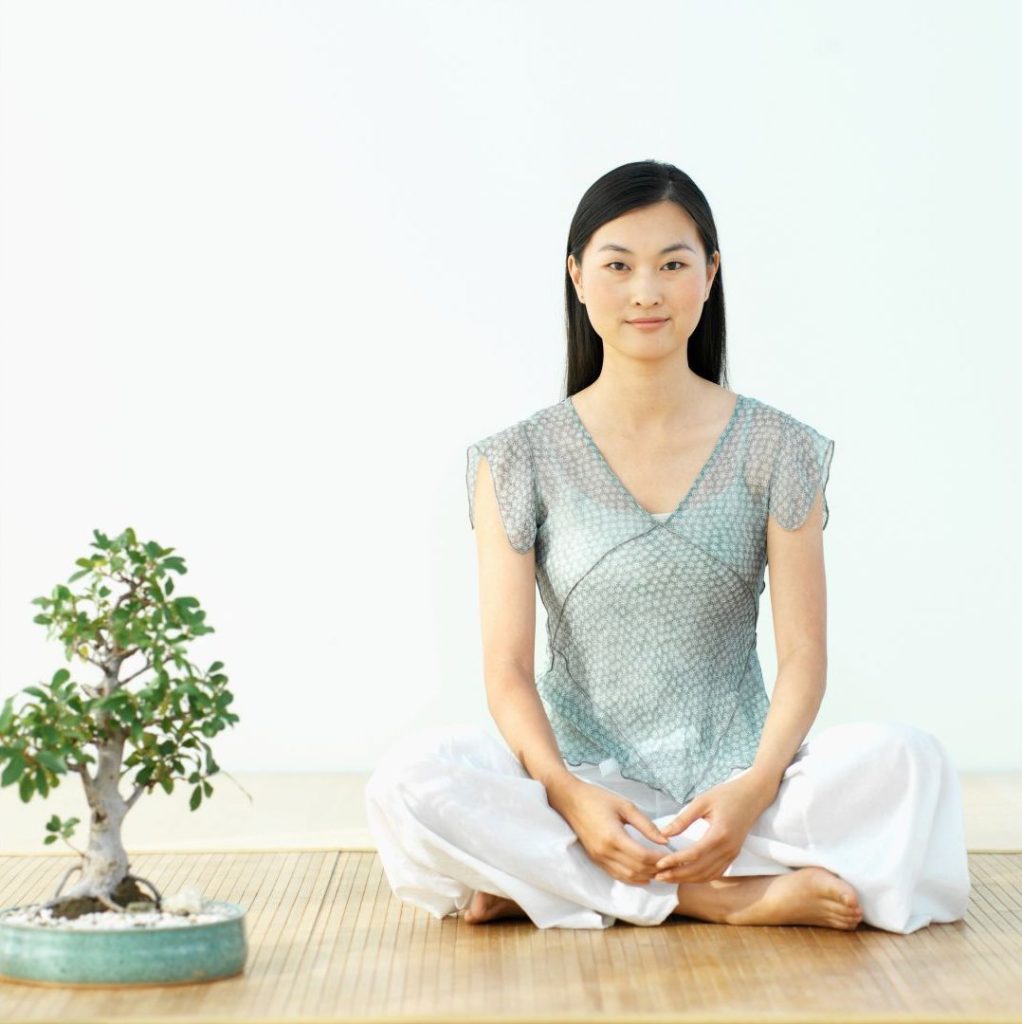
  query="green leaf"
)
[
  {"x": 52, "y": 761},
  {"x": 26, "y": 787},
  {"x": 7, "y": 715},
  {"x": 60, "y": 677},
  {"x": 36, "y": 692},
  {"x": 50, "y": 839},
  {"x": 125, "y": 713},
  {"x": 43, "y": 620},
  {"x": 196, "y": 797},
  {"x": 168, "y": 784},
  {"x": 207, "y": 788},
  {"x": 13, "y": 771}
]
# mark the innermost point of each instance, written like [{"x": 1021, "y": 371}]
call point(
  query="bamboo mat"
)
[{"x": 329, "y": 942}]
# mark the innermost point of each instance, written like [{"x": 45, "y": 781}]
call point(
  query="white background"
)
[{"x": 266, "y": 270}]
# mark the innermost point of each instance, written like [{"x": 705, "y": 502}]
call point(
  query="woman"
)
[{"x": 645, "y": 773}]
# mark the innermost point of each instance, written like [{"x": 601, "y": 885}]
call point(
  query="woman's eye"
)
[{"x": 618, "y": 263}]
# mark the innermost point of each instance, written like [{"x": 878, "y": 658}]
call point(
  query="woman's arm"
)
[
  {"x": 798, "y": 601},
  {"x": 507, "y": 602}
]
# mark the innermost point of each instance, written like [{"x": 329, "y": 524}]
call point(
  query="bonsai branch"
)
[{"x": 145, "y": 668}]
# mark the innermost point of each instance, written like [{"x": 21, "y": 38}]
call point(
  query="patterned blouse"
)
[{"x": 651, "y": 618}]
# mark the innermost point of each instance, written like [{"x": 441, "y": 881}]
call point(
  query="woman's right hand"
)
[{"x": 598, "y": 816}]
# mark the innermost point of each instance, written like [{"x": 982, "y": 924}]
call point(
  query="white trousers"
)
[{"x": 453, "y": 811}]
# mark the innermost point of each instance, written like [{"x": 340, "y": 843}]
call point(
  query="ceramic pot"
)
[{"x": 181, "y": 954}]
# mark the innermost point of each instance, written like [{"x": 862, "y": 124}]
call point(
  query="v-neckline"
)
[{"x": 695, "y": 483}]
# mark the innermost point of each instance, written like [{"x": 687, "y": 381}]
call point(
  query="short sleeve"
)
[
  {"x": 509, "y": 455},
  {"x": 801, "y": 469}
]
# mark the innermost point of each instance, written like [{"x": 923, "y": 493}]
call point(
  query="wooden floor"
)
[{"x": 329, "y": 942}]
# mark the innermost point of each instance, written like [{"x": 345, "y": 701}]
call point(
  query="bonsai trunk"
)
[
  {"x": 106, "y": 862},
  {"x": 105, "y": 882}
]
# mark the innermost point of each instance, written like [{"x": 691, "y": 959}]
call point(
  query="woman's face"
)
[{"x": 647, "y": 263}]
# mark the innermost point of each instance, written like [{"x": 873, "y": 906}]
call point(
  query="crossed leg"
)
[
  {"x": 870, "y": 805},
  {"x": 810, "y": 896}
]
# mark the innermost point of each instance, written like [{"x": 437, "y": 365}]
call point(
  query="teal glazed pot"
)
[{"x": 183, "y": 954}]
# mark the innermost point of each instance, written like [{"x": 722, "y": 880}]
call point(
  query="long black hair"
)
[{"x": 625, "y": 188}]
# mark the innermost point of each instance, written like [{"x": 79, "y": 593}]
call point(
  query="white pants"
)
[{"x": 453, "y": 811}]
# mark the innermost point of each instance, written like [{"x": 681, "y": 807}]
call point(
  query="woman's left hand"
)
[{"x": 731, "y": 808}]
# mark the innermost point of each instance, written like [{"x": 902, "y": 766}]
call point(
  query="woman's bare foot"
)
[
  {"x": 487, "y": 907},
  {"x": 811, "y": 896}
]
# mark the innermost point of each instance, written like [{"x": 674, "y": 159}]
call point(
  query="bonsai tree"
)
[{"x": 153, "y": 733}]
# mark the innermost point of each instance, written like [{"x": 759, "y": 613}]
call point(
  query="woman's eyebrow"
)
[{"x": 670, "y": 248}]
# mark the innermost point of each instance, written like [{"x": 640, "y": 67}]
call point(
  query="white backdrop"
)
[{"x": 266, "y": 269}]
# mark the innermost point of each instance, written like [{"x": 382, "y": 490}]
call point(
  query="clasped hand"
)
[
  {"x": 596, "y": 816},
  {"x": 731, "y": 808}
]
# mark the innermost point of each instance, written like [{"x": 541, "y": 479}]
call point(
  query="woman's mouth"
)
[{"x": 648, "y": 324}]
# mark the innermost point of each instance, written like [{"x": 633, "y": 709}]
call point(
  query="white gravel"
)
[{"x": 185, "y": 908}]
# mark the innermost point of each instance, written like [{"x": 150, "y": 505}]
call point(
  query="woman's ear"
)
[
  {"x": 713, "y": 273},
  {"x": 575, "y": 272}
]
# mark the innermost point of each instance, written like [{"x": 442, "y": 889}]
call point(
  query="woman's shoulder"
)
[
  {"x": 772, "y": 420},
  {"x": 528, "y": 429}
]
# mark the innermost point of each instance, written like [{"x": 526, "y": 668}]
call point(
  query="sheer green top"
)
[{"x": 651, "y": 619}]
